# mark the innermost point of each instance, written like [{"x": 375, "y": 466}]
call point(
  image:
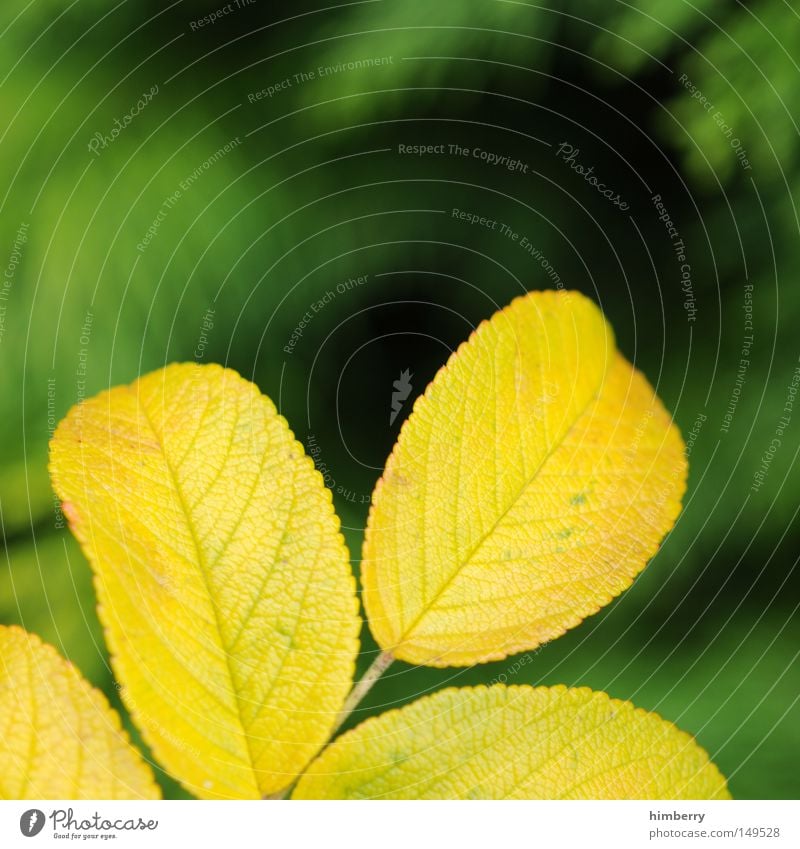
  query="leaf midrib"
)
[
  {"x": 203, "y": 572},
  {"x": 457, "y": 571}
]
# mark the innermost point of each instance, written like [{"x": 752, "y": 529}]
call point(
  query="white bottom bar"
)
[{"x": 402, "y": 825}]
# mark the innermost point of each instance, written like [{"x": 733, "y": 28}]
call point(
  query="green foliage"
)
[{"x": 292, "y": 211}]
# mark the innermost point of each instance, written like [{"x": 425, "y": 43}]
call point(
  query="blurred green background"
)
[{"x": 264, "y": 168}]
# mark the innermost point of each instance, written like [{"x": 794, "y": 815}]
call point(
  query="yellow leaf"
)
[
  {"x": 59, "y": 738},
  {"x": 532, "y": 482},
  {"x": 514, "y": 742},
  {"x": 224, "y": 584}
]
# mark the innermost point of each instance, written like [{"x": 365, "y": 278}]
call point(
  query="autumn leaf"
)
[
  {"x": 224, "y": 584},
  {"x": 534, "y": 479},
  {"x": 514, "y": 743},
  {"x": 60, "y": 739}
]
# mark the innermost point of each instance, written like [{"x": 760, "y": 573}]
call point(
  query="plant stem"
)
[
  {"x": 280, "y": 794},
  {"x": 378, "y": 666}
]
